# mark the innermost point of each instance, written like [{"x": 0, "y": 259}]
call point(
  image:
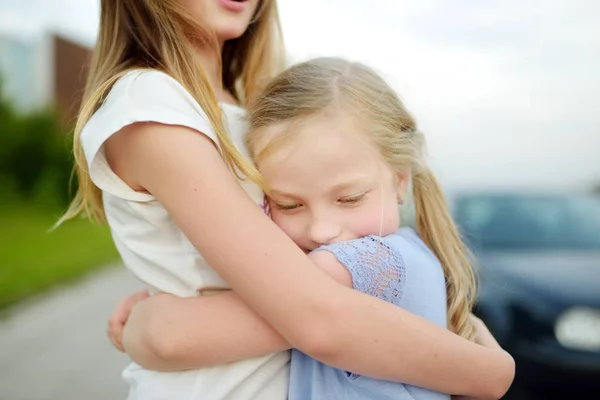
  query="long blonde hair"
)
[
  {"x": 324, "y": 84},
  {"x": 161, "y": 35}
]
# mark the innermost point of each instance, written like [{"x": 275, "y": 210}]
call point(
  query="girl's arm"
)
[
  {"x": 484, "y": 336},
  {"x": 159, "y": 336},
  {"x": 334, "y": 324},
  {"x": 167, "y": 333}
]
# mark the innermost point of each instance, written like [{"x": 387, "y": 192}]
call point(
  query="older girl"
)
[{"x": 157, "y": 146}]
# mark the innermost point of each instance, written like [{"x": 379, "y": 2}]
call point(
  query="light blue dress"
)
[{"x": 400, "y": 269}]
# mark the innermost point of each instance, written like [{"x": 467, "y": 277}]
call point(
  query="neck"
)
[{"x": 212, "y": 67}]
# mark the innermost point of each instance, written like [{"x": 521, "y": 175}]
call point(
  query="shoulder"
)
[
  {"x": 368, "y": 249},
  {"x": 375, "y": 265},
  {"x": 147, "y": 95},
  {"x": 143, "y": 96},
  {"x": 142, "y": 102},
  {"x": 329, "y": 263},
  {"x": 146, "y": 85},
  {"x": 408, "y": 241},
  {"x": 141, "y": 78},
  {"x": 371, "y": 247}
]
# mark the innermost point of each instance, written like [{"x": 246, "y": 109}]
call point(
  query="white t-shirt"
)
[{"x": 155, "y": 249}]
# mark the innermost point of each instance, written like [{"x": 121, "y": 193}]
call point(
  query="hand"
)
[
  {"x": 120, "y": 315},
  {"x": 484, "y": 337}
]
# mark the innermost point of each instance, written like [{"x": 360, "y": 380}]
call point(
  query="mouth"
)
[{"x": 234, "y": 5}]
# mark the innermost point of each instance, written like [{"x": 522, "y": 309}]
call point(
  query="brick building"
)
[{"x": 48, "y": 70}]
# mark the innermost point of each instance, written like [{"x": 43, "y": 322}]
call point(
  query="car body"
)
[{"x": 538, "y": 259}]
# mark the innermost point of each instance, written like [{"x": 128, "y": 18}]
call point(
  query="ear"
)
[{"x": 402, "y": 181}]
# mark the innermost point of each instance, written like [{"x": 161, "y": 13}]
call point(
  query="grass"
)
[{"x": 32, "y": 259}]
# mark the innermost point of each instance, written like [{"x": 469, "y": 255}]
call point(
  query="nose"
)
[{"x": 323, "y": 231}]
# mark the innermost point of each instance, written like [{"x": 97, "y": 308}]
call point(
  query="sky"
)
[{"x": 506, "y": 91}]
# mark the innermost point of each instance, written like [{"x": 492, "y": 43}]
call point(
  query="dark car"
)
[{"x": 539, "y": 293}]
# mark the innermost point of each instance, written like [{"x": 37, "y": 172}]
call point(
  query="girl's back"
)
[{"x": 400, "y": 269}]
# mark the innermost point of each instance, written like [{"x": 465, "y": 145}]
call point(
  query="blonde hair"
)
[
  {"x": 161, "y": 35},
  {"x": 332, "y": 84}
]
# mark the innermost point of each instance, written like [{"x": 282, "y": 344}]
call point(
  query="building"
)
[{"x": 46, "y": 70}]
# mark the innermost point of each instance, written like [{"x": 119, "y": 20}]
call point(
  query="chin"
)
[
  {"x": 230, "y": 31},
  {"x": 230, "y": 35}
]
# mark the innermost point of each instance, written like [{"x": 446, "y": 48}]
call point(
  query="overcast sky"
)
[{"x": 507, "y": 91}]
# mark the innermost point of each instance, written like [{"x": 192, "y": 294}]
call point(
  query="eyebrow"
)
[
  {"x": 336, "y": 188},
  {"x": 282, "y": 194},
  {"x": 350, "y": 183}
]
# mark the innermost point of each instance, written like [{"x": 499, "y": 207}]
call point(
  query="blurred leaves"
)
[
  {"x": 35, "y": 169},
  {"x": 35, "y": 153}
]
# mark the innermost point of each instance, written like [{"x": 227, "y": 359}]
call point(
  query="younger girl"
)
[{"x": 338, "y": 150}]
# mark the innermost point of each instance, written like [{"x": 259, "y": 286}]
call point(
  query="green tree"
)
[{"x": 35, "y": 151}]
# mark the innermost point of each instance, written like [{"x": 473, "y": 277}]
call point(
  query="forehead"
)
[
  {"x": 323, "y": 149},
  {"x": 324, "y": 130}
]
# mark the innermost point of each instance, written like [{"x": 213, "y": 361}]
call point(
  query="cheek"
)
[
  {"x": 391, "y": 220},
  {"x": 198, "y": 8},
  {"x": 370, "y": 220},
  {"x": 202, "y": 11},
  {"x": 365, "y": 220},
  {"x": 291, "y": 225}
]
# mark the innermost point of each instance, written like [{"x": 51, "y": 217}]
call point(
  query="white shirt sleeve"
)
[{"x": 140, "y": 96}]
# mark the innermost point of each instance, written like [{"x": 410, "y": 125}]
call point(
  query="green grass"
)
[{"x": 33, "y": 259}]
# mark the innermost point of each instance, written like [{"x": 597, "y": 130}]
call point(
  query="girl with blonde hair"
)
[
  {"x": 338, "y": 150},
  {"x": 159, "y": 145}
]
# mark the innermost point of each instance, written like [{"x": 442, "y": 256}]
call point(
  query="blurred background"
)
[{"x": 506, "y": 92}]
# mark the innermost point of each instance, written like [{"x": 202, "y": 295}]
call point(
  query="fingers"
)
[
  {"x": 116, "y": 323},
  {"x": 115, "y": 335},
  {"x": 141, "y": 295},
  {"x": 120, "y": 315}
]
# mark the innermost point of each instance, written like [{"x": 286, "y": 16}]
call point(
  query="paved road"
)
[{"x": 55, "y": 347}]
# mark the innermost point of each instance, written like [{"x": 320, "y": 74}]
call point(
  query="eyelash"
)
[
  {"x": 354, "y": 200},
  {"x": 286, "y": 207}
]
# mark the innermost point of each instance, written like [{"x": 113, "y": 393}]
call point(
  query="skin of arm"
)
[
  {"x": 332, "y": 323},
  {"x": 155, "y": 338},
  {"x": 235, "y": 333}
]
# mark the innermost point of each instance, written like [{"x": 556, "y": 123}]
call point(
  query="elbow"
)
[
  {"x": 504, "y": 379},
  {"x": 320, "y": 336},
  {"x": 317, "y": 345},
  {"x": 155, "y": 350},
  {"x": 509, "y": 368},
  {"x": 147, "y": 343}
]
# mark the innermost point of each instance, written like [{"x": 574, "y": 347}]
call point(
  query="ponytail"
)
[{"x": 437, "y": 229}]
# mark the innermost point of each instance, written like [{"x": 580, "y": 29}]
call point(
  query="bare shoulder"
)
[
  {"x": 136, "y": 148},
  {"x": 329, "y": 263},
  {"x": 138, "y": 134}
]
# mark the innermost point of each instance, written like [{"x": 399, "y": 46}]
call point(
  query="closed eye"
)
[
  {"x": 286, "y": 206},
  {"x": 352, "y": 199}
]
